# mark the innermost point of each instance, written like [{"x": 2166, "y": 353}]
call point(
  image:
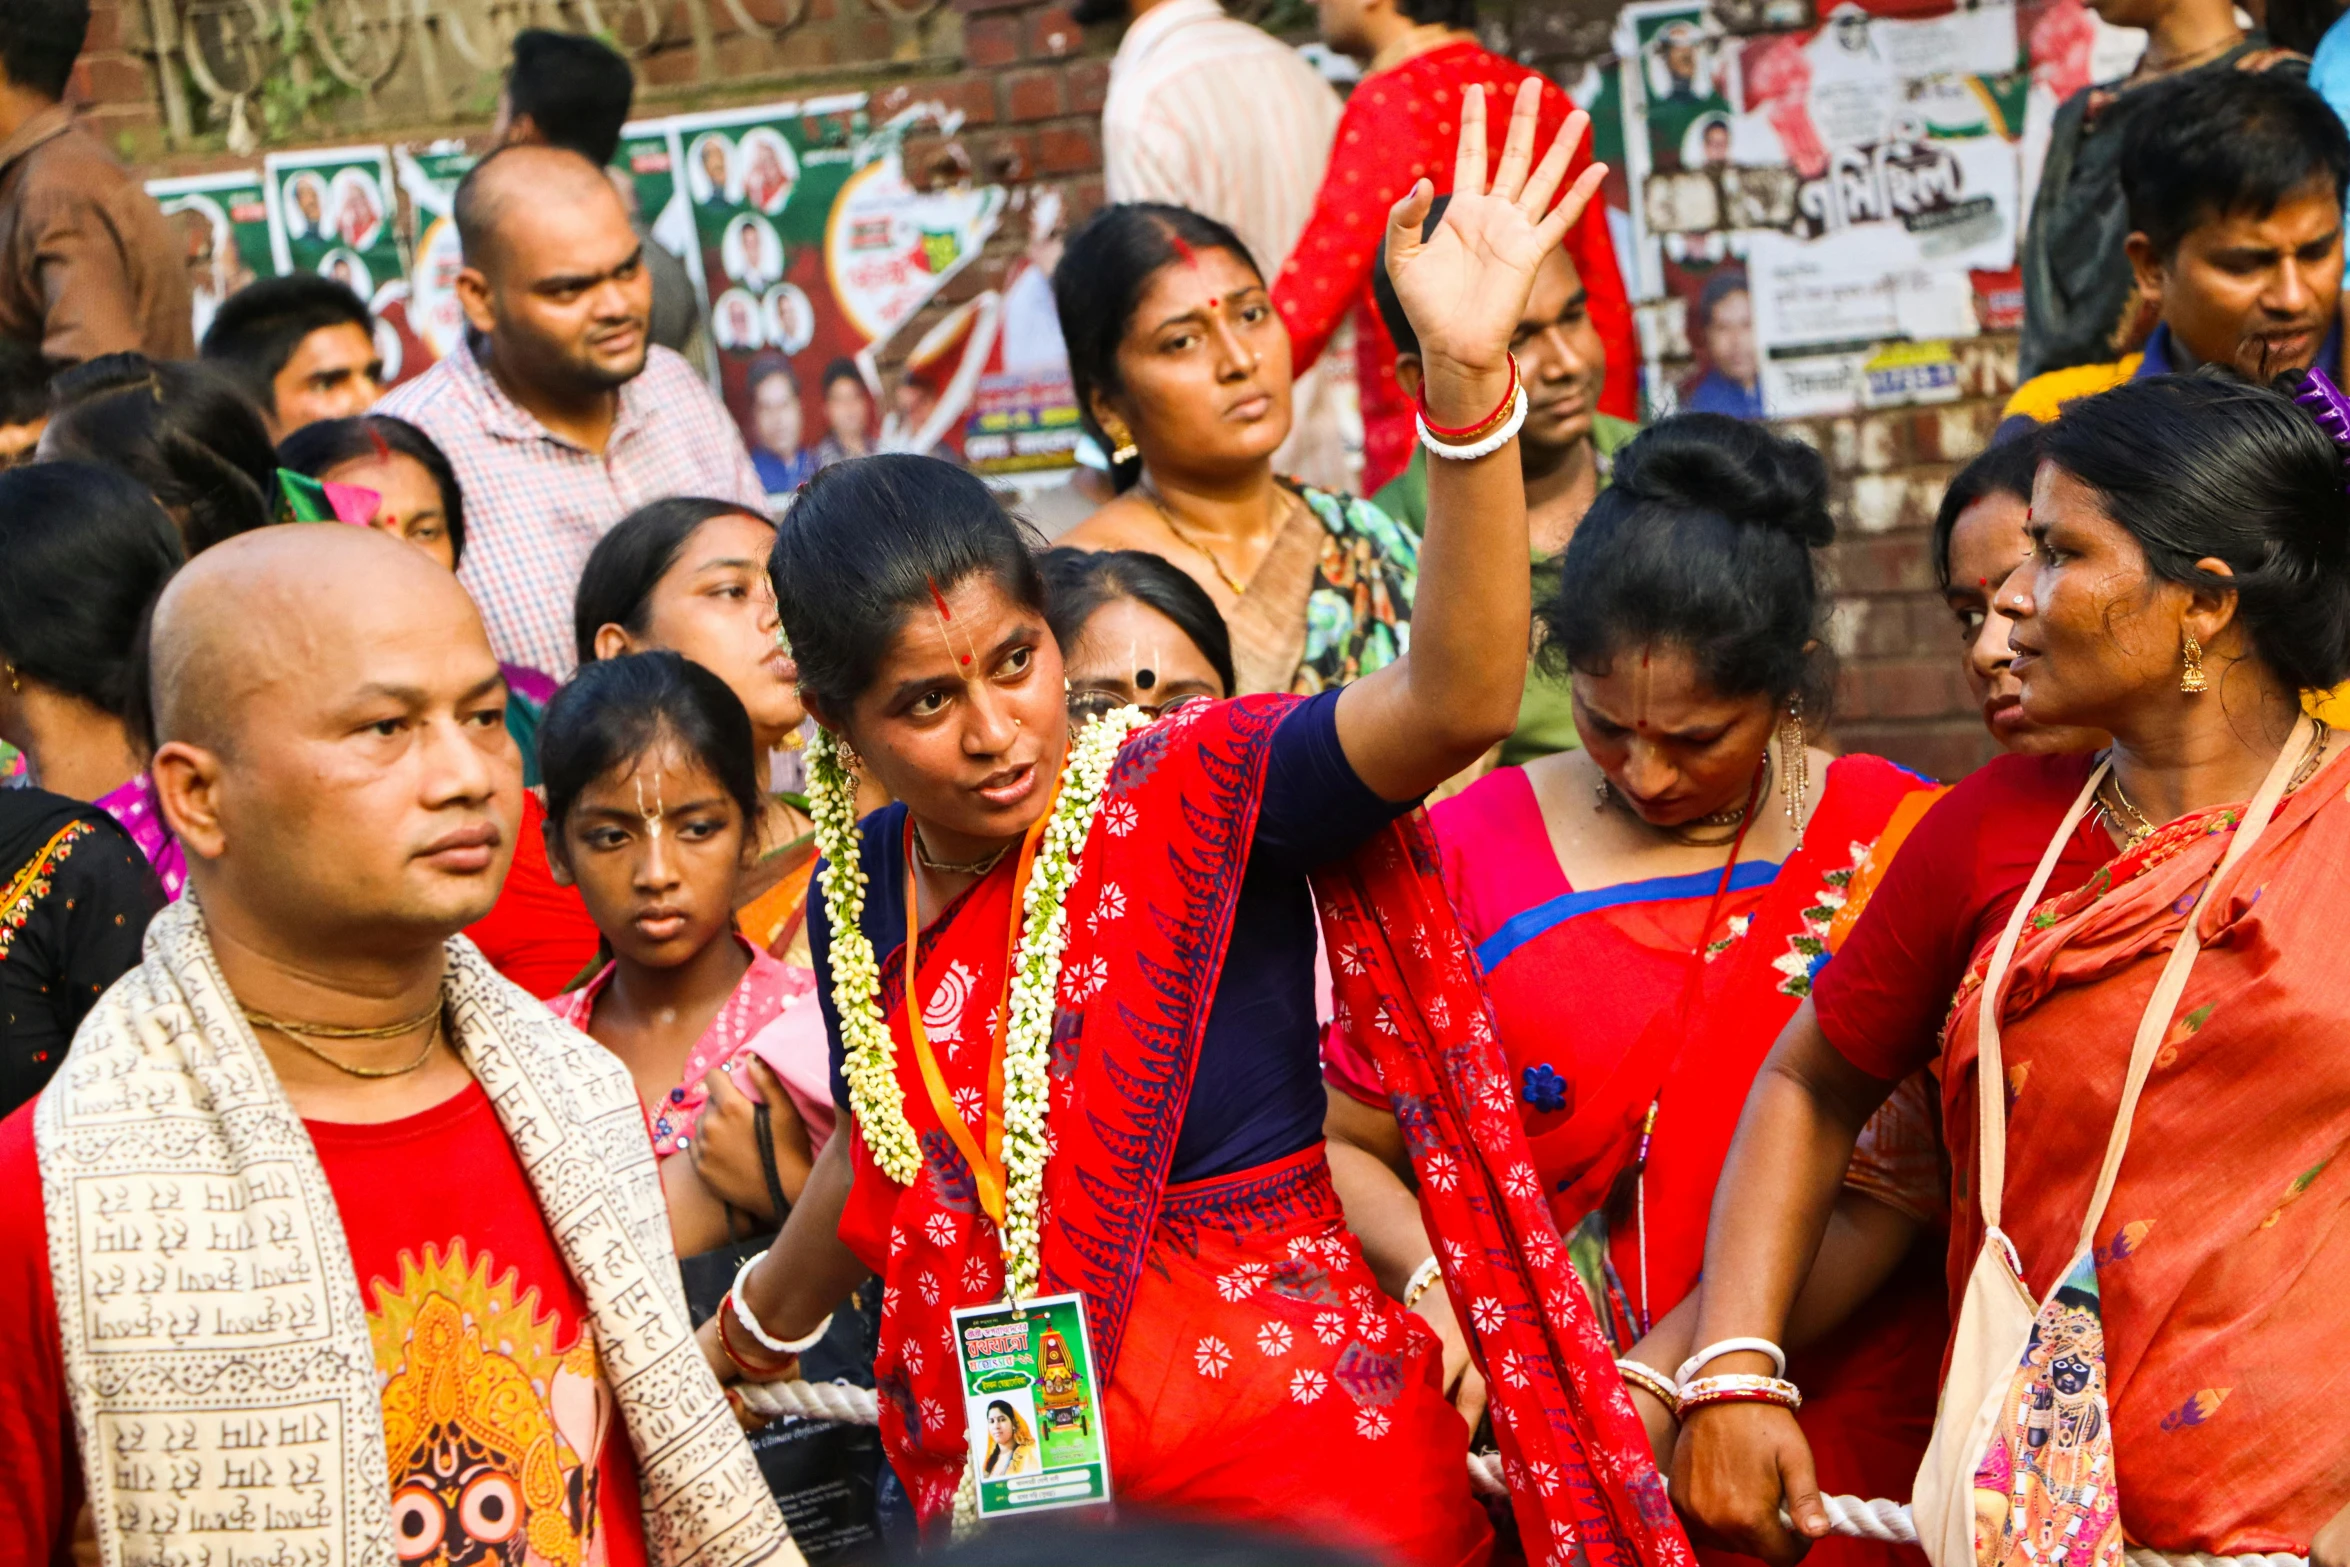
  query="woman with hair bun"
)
[
  {"x": 1648, "y": 910},
  {"x": 2146, "y": 1348}
]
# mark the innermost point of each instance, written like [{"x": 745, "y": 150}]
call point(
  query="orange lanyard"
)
[{"x": 987, "y": 1164}]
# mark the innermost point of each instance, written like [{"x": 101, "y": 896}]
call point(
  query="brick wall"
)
[{"x": 1028, "y": 84}]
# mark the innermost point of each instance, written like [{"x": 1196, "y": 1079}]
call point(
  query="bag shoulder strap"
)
[
  {"x": 1990, "y": 1073},
  {"x": 2153, "y": 1024}
]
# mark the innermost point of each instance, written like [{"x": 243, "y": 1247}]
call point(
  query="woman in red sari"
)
[
  {"x": 2189, "y": 586},
  {"x": 1648, "y": 910},
  {"x": 1251, "y": 1368}
]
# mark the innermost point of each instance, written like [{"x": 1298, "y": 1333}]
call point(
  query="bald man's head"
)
[
  {"x": 330, "y": 728},
  {"x": 554, "y": 273},
  {"x": 520, "y": 184}
]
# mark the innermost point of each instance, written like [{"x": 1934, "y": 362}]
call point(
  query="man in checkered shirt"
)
[{"x": 557, "y": 412}]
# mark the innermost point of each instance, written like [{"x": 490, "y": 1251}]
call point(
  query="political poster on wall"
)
[
  {"x": 331, "y": 211},
  {"x": 223, "y": 221},
  {"x": 650, "y": 156},
  {"x": 423, "y": 310},
  {"x": 816, "y": 252},
  {"x": 1806, "y": 202}
]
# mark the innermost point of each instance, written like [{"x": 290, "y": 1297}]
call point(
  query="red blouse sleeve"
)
[{"x": 1884, "y": 998}]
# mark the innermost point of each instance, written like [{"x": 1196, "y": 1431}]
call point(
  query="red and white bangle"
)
[
  {"x": 1468, "y": 442},
  {"x": 1652, "y": 1382},
  {"x": 1738, "y": 1390}
]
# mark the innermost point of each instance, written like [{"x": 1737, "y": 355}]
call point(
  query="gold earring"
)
[
  {"x": 2191, "y": 678},
  {"x": 1122, "y": 448},
  {"x": 1794, "y": 764},
  {"x": 12, "y": 685}
]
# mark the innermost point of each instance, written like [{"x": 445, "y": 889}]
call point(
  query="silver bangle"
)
[{"x": 767, "y": 1341}]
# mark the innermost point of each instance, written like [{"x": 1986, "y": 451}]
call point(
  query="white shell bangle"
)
[
  {"x": 1731, "y": 1346},
  {"x": 768, "y": 1341},
  {"x": 1424, "y": 1278},
  {"x": 1476, "y": 449}
]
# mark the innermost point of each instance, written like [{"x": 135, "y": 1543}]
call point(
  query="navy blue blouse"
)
[{"x": 1257, "y": 1094}]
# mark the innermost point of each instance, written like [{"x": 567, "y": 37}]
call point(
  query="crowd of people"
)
[{"x": 517, "y": 952}]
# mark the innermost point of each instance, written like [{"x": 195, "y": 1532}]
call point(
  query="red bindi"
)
[{"x": 1982, "y": 582}]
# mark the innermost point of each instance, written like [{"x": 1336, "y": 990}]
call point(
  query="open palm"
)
[{"x": 1465, "y": 285}]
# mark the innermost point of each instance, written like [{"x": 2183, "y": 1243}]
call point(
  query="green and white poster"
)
[
  {"x": 332, "y": 211},
  {"x": 649, "y": 156},
  {"x": 424, "y": 311},
  {"x": 223, "y": 222},
  {"x": 1033, "y": 1405}
]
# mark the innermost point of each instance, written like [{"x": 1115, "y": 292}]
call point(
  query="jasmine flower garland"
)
[{"x": 871, "y": 1051}]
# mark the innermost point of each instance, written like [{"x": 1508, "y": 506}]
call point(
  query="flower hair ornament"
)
[{"x": 2329, "y": 405}]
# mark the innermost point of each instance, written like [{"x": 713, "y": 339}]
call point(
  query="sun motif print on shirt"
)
[{"x": 492, "y": 1430}]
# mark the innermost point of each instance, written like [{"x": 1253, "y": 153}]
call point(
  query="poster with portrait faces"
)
[
  {"x": 1802, "y": 199},
  {"x": 334, "y": 211},
  {"x": 222, "y": 221},
  {"x": 419, "y": 317},
  {"x": 815, "y": 253}
]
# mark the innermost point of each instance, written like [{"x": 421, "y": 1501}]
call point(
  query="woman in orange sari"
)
[
  {"x": 1648, "y": 910},
  {"x": 2177, "y": 1385},
  {"x": 1070, "y": 982}
]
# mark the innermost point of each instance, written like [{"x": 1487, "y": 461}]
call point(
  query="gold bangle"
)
[
  {"x": 1654, "y": 1383},
  {"x": 1424, "y": 1278}
]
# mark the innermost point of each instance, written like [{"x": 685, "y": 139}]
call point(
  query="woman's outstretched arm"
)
[
  {"x": 1736, "y": 1465},
  {"x": 1431, "y": 713}
]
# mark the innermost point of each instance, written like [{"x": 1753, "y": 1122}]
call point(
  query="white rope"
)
[
  {"x": 841, "y": 1401},
  {"x": 1880, "y": 1519}
]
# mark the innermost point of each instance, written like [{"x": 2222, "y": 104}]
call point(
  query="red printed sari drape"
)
[
  {"x": 1255, "y": 1370},
  {"x": 2223, "y": 1260},
  {"x": 1589, "y": 990}
]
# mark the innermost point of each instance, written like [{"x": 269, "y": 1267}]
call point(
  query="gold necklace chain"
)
[
  {"x": 1680, "y": 832},
  {"x": 2138, "y": 829},
  {"x": 294, "y": 1032},
  {"x": 1167, "y": 516},
  {"x": 978, "y": 867}
]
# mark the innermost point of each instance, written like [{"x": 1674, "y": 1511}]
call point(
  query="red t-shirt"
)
[
  {"x": 1883, "y": 1002},
  {"x": 440, "y": 1218},
  {"x": 538, "y": 934}
]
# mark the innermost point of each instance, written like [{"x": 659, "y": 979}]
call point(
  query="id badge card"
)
[{"x": 1032, "y": 1405}]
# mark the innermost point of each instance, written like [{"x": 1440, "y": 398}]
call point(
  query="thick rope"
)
[
  {"x": 840, "y": 1401},
  {"x": 1884, "y": 1520}
]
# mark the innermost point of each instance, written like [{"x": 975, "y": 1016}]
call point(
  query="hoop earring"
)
[
  {"x": 2191, "y": 678},
  {"x": 1794, "y": 764}
]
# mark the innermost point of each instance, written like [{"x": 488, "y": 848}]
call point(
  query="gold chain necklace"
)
[
  {"x": 296, "y": 1031},
  {"x": 2138, "y": 829},
  {"x": 978, "y": 867},
  {"x": 1680, "y": 832},
  {"x": 1167, "y": 516}
]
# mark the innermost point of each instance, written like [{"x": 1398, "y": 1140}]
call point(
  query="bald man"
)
[
  {"x": 325, "y": 1239},
  {"x": 558, "y": 413}
]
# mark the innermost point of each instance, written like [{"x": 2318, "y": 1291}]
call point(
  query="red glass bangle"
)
[
  {"x": 765, "y": 1373},
  {"x": 1469, "y": 434}
]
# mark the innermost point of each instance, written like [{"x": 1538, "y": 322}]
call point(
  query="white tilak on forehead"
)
[{"x": 653, "y": 816}]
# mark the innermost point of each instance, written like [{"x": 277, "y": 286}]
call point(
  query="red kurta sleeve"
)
[{"x": 1398, "y": 126}]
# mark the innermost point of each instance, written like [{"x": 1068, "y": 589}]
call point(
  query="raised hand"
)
[{"x": 1464, "y": 287}]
